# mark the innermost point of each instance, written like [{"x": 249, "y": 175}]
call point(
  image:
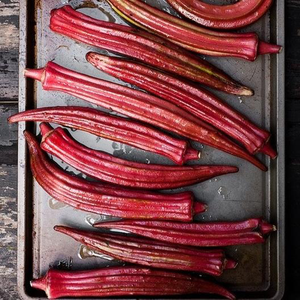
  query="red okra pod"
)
[
  {"x": 142, "y": 46},
  {"x": 198, "y": 228},
  {"x": 114, "y": 128},
  {"x": 149, "y": 253},
  {"x": 123, "y": 281},
  {"x": 190, "y": 36},
  {"x": 150, "y": 244},
  {"x": 138, "y": 105},
  {"x": 197, "y": 101},
  {"x": 107, "y": 199},
  {"x": 197, "y": 234},
  {"x": 108, "y": 168},
  {"x": 231, "y": 16}
]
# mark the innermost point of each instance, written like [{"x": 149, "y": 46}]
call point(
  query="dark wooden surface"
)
[{"x": 8, "y": 147}]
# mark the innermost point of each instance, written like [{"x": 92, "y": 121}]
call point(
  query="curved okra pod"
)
[
  {"x": 231, "y": 16},
  {"x": 142, "y": 46},
  {"x": 114, "y": 128},
  {"x": 195, "y": 100},
  {"x": 138, "y": 105},
  {"x": 197, "y": 234},
  {"x": 150, "y": 253},
  {"x": 107, "y": 199},
  {"x": 123, "y": 281},
  {"x": 190, "y": 36},
  {"x": 108, "y": 168}
]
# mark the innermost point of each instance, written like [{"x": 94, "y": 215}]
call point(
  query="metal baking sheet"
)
[{"x": 249, "y": 193}]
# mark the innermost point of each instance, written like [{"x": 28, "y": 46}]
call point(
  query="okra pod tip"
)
[
  {"x": 40, "y": 283},
  {"x": 266, "y": 48},
  {"x": 266, "y": 228},
  {"x": 36, "y": 74},
  {"x": 199, "y": 207}
]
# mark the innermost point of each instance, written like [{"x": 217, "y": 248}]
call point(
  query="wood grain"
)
[
  {"x": 8, "y": 135},
  {"x": 8, "y": 232},
  {"x": 8, "y": 204},
  {"x": 9, "y": 41},
  {"x": 9, "y": 23},
  {"x": 292, "y": 148}
]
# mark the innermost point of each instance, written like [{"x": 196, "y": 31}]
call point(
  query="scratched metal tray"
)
[{"x": 250, "y": 193}]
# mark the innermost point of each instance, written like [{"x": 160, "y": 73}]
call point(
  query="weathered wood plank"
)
[
  {"x": 8, "y": 232},
  {"x": 293, "y": 87},
  {"x": 9, "y": 42},
  {"x": 9, "y": 36},
  {"x": 9, "y": 8},
  {"x": 8, "y": 135},
  {"x": 292, "y": 148},
  {"x": 9, "y": 75},
  {"x": 8, "y": 289},
  {"x": 292, "y": 49},
  {"x": 291, "y": 4},
  {"x": 8, "y": 132},
  {"x": 8, "y": 204},
  {"x": 293, "y": 111}
]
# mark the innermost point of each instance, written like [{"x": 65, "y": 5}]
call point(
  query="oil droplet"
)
[
  {"x": 213, "y": 180},
  {"x": 89, "y": 9},
  {"x": 90, "y": 220},
  {"x": 240, "y": 99},
  {"x": 116, "y": 146},
  {"x": 108, "y": 16},
  {"x": 128, "y": 149},
  {"x": 62, "y": 46},
  {"x": 63, "y": 264},
  {"x": 223, "y": 192},
  {"x": 119, "y": 230},
  {"x": 87, "y": 4},
  {"x": 166, "y": 9},
  {"x": 85, "y": 252},
  {"x": 54, "y": 204},
  {"x": 148, "y": 162},
  {"x": 118, "y": 149}
]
